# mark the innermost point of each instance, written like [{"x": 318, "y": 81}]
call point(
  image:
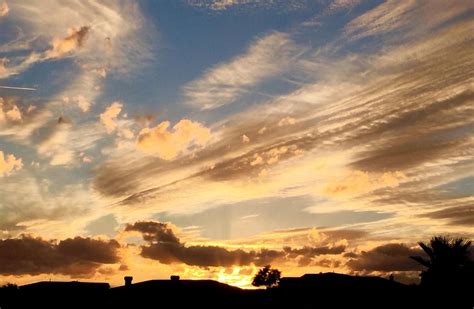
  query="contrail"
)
[{"x": 18, "y": 88}]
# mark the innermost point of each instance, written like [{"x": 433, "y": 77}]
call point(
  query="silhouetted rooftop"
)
[
  {"x": 181, "y": 284},
  {"x": 335, "y": 280},
  {"x": 69, "y": 285}
]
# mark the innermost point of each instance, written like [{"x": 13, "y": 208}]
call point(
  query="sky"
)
[{"x": 207, "y": 138}]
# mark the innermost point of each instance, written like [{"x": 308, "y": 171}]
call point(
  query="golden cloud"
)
[
  {"x": 9, "y": 165},
  {"x": 66, "y": 45},
  {"x": 83, "y": 103},
  {"x": 168, "y": 144},
  {"x": 359, "y": 182},
  {"x": 3, "y": 69},
  {"x": 9, "y": 111},
  {"x": 109, "y": 116},
  {"x": 4, "y": 9}
]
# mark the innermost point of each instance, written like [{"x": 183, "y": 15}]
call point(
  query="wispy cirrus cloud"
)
[
  {"x": 395, "y": 16},
  {"x": 336, "y": 137},
  {"x": 266, "y": 57},
  {"x": 99, "y": 31},
  {"x": 220, "y": 5}
]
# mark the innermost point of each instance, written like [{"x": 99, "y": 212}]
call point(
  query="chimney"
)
[
  {"x": 174, "y": 278},
  {"x": 128, "y": 280}
]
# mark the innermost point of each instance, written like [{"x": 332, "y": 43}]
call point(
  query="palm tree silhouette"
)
[{"x": 448, "y": 263}]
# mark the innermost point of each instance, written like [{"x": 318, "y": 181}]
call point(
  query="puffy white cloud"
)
[
  {"x": 9, "y": 112},
  {"x": 168, "y": 144},
  {"x": 9, "y": 164}
]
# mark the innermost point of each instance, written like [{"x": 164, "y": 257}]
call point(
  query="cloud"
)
[
  {"x": 386, "y": 258},
  {"x": 9, "y": 164},
  {"x": 70, "y": 43},
  {"x": 225, "y": 82},
  {"x": 102, "y": 35},
  {"x": 221, "y": 5},
  {"x": 314, "y": 251},
  {"x": 82, "y": 103},
  {"x": 461, "y": 215},
  {"x": 359, "y": 182},
  {"x": 73, "y": 256},
  {"x": 109, "y": 117},
  {"x": 392, "y": 16},
  {"x": 164, "y": 246},
  {"x": 4, "y": 9},
  {"x": 9, "y": 112},
  {"x": 167, "y": 144},
  {"x": 286, "y": 121},
  {"x": 337, "y": 5},
  {"x": 3, "y": 68},
  {"x": 55, "y": 145},
  {"x": 30, "y": 199},
  {"x": 356, "y": 113}
]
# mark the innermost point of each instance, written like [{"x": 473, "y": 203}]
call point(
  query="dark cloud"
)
[
  {"x": 73, "y": 256},
  {"x": 462, "y": 215},
  {"x": 314, "y": 251},
  {"x": 386, "y": 258},
  {"x": 164, "y": 246}
]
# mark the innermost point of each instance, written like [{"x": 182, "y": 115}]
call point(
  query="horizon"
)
[{"x": 208, "y": 138}]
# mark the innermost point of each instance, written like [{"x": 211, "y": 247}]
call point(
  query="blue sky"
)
[{"x": 299, "y": 133}]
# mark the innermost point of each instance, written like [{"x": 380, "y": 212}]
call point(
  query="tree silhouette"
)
[
  {"x": 267, "y": 276},
  {"x": 9, "y": 286},
  {"x": 448, "y": 263}
]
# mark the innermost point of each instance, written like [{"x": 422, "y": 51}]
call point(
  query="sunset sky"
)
[{"x": 207, "y": 138}]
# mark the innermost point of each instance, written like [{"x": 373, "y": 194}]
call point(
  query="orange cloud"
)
[
  {"x": 9, "y": 165},
  {"x": 4, "y": 9},
  {"x": 287, "y": 121},
  {"x": 3, "y": 69},
  {"x": 168, "y": 144},
  {"x": 83, "y": 103},
  {"x": 109, "y": 117},
  {"x": 359, "y": 182},
  {"x": 73, "y": 41},
  {"x": 13, "y": 113}
]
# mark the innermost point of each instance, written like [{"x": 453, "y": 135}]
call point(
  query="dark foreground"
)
[{"x": 328, "y": 290}]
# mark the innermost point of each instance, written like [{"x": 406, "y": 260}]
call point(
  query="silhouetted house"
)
[
  {"x": 70, "y": 286},
  {"x": 334, "y": 290},
  {"x": 55, "y": 294},
  {"x": 335, "y": 281},
  {"x": 176, "y": 292}
]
